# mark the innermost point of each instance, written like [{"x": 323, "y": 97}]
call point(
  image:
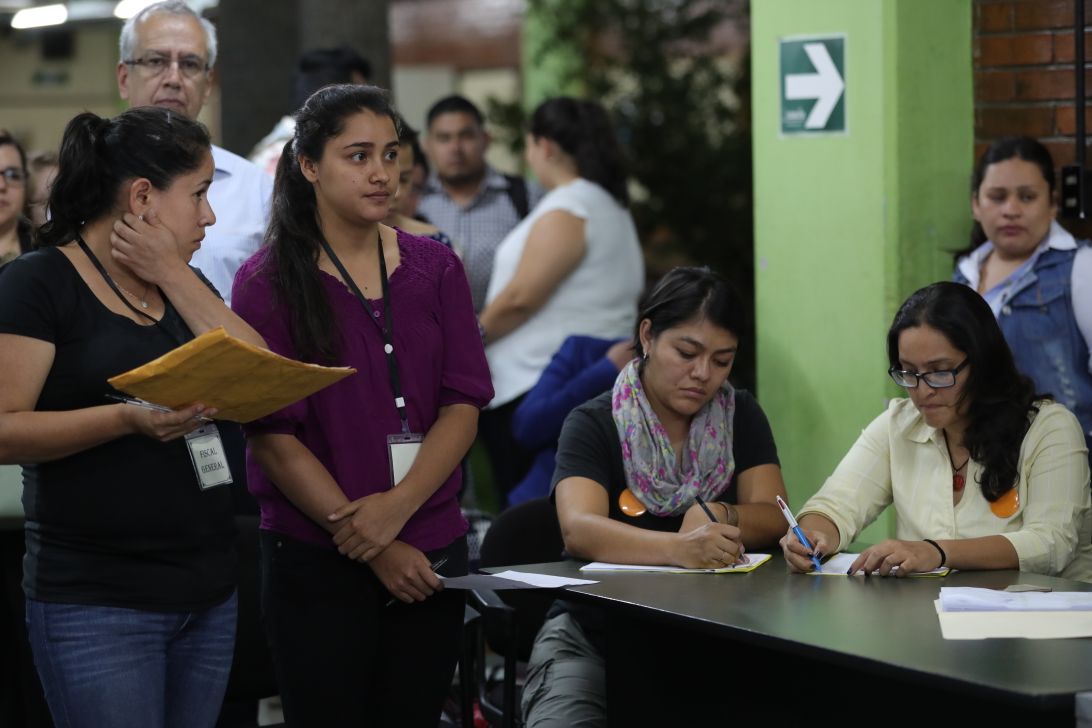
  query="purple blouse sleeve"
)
[
  {"x": 465, "y": 378},
  {"x": 252, "y": 298}
]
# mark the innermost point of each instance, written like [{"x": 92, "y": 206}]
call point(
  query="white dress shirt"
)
[{"x": 240, "y": 196}]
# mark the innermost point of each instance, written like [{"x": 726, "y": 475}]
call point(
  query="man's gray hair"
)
[{"x": 127, "y": 43}]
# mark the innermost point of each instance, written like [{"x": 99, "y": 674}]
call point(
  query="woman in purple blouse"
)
[{"x": 358, "y": 484}]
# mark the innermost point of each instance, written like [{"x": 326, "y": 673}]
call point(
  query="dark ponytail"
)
[
  {"x": 98, "y": 155},
  {"x": 293, "y": 236},
  {"x": 583, "y": 131}
]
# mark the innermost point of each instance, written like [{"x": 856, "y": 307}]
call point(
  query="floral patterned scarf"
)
[{"x": 652, "y": 470}]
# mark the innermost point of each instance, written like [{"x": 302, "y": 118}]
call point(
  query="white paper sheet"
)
[
  {"x": 971, "y": 599},
  {"x": 839, "y": 564},
  {"x": 752, "y": 561},
  {"x": 544, "y": 581}
]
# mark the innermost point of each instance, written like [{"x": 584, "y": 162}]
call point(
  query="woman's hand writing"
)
[
  {"x": 368, "y": 525},
  {"x": 709, "y": 546},
  {"x": 797, "y": 556},
  {"x": 406, "y": 572}
]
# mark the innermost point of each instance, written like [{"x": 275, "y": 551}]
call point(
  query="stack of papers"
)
[
  {"x": 838, "y": 565},
  {"x": 970, "y": 599},
  {"x": 970, "y": 613},
  {"x": 750, "y": 563}
]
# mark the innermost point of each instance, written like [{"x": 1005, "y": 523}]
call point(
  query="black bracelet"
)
[{"x": 934, "y": 544}]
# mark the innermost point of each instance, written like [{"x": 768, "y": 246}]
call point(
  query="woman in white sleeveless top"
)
[{"x": 573, "y": 266}]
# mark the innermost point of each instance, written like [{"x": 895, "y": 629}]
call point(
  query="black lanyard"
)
[
  {"x": 114, "y": 287},
  {"x": 387, "y": 327}
]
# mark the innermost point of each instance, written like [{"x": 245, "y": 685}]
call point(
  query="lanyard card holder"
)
[
  {"x": 207, "y": 454},
  {"x": 401, "y": 452}
]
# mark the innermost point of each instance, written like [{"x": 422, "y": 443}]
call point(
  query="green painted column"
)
[
  {"x": 548, "y": 63},
  {"x": 848, "y": 223}
]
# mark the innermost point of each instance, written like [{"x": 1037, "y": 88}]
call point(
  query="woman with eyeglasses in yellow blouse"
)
[{"x": 983, "y": 472}]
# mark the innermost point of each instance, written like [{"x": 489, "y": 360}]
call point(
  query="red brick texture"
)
[{"x": 1024, "y": 79}]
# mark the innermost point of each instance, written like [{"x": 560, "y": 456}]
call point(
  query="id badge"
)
[
  {"x": 401, "y": 452},
  {"x": 208, "y": 456}
]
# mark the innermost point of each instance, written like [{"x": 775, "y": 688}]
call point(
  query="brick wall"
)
[{"x": 1024, "y": 77}]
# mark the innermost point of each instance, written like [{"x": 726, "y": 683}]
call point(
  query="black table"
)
[{"x": 770, "y": 645}]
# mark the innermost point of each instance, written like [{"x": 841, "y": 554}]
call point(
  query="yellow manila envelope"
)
[{"x": 242, "y": 381}]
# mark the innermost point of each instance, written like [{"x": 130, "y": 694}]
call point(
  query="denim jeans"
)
[{"x": 130, "y": 668}]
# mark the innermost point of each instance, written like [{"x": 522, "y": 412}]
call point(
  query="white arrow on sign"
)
[{"x": 826, "y": 85}]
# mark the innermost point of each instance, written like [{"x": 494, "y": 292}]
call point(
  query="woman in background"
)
[
  {"x": 15, "y": 229},
  {"x": 1035, "y": 276},
  {"x": 404, "y": 200},
  {"x": 573, "y": 266},
  {"x": 42, "y": 168},
  {"x": 584, "y": 366}
]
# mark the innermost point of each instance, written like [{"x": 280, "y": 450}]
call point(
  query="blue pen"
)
[{"x": 799, "y": 533}]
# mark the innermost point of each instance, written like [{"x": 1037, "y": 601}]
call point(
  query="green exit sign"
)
[{"x": 813, "y": 84}]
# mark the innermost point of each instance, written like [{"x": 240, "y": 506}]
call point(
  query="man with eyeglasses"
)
[{"x": 167, "y": 55}]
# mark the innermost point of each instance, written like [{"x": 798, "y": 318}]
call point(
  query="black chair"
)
[{"x": 526, "y": 534}]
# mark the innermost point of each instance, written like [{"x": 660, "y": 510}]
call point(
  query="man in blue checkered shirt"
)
[{"x": 473, "y": 203}]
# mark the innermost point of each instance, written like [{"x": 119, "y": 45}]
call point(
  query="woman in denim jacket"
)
[{"x": 1036, "y": 276}]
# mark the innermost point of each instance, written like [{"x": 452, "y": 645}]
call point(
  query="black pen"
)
[
  {"x": 434, "y": 566},
  {"x": 705, "y": 508},
  {"x": 701, "y": 502},
  {"x": 144, "y": 404}
]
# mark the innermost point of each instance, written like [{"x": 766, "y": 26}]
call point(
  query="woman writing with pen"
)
[
  {"x": 358, "y": 484},
  {"x": 634, "y": 466},
  {"x": 983, "y": 472},
  {"x": 130, "y": 566}
]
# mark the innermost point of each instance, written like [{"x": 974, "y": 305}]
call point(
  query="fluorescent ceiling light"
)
[
  {"x": 40, "y": 17},
  {"x": 128, "y": 8},
  {"x": 91, "y": 10}
]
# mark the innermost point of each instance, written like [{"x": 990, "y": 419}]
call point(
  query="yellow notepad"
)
[
  {"x": 753, "y": 562},
  {"x": 839, "y": 564},
  {"x": 242, "y": 381}
]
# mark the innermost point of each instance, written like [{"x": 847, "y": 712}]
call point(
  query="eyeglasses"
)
[
  {"x": 13, "y": 175},
  {"x": 937, "y": 380},
  {"x": 155, "y": 64}
]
